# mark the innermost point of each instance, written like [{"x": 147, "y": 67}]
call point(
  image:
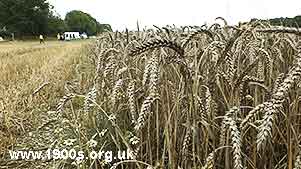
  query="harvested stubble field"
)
[
  {"x": 32, "y": 79},
  {"x": 224, "y": 97}
]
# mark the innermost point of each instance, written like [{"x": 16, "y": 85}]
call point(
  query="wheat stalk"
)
[{"x": 298, "y": 160}]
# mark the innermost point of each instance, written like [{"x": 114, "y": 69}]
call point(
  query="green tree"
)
[
  {"x": 55, "y": 24},
  {"x": 83, "y": 22},
  {"x": 105, "y": 27},
  {"x": 33, "y": 17},
  {"x": 290, "y": 22},
  {"x": 25, "y": 17}
]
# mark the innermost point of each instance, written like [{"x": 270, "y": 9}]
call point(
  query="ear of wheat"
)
[
  {"x": 153, "y": 93},
  {"x": 155, "y": 44},
  {"x": 132, "y": 104},
  {"x": 63, "y": 101}
]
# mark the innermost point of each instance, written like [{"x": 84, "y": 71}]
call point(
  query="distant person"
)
[
  {"x": 58, "y": 37},
  {"x": 41, "y": 39}
]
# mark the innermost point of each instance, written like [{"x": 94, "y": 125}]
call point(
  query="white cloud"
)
[{"x": 125, "y": 13}]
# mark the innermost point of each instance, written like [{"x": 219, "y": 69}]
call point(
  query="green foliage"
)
[
  {"x": 287, "y": 22},
  {"x": 33, "y": 17},
  {"x": 83, "y": 22},
  {"x": 24, "y": 17},
  {"x": 56, "y": 25},
  {"x": 105, "y": 27}
]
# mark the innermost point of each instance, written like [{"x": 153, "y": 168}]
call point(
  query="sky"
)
[{"x": 121, "y": 14}]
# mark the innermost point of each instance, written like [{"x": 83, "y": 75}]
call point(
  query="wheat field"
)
[
  {"x": 32, "y": 78},
  {"x": 202, "y": 97}
]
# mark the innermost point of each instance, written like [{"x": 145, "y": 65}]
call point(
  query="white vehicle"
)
[
  {"x": 71, "y": 35},
  {"x": 84, "y": 36}
]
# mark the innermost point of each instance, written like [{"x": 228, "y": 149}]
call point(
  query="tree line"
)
[
  {"x": 288, "y": 22},
  {"x": 34, "y": 17},
  {"x": 284, "y": 21}
]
